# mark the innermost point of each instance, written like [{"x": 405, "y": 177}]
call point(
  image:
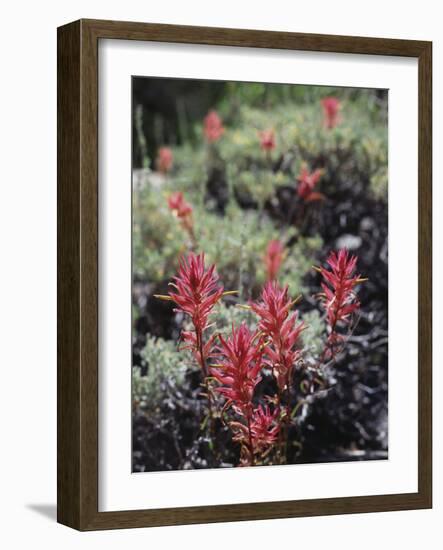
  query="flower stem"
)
[{"x": 251, "y": 443}]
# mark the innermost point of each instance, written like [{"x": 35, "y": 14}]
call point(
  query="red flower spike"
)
[
  {"x": 164, "y": 160},
  {"x": 273, "y": 259},
  {"x": 258, "y": 435},
  {"x": 338, "y": 287},
  {"x": 183, "y": 211},
  {"x": 213, "y": 127},
  {"x": 306, "y": 183},
  {"x": 196, "y": 292},
  {"x": 331, "y": 109},
  {"x": 267, "y": 140},
  {"x": 340, "y": 300},
  {"x": 178, "y": 204},
  {"x": 264, "y": 428},
  {"x": 239, "y": 368},
  {"x": 281, "y": 329},
  {"x": 197, "y": 289}
]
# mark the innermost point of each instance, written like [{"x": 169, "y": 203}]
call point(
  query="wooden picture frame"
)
[{"x": 78, "y": 274}]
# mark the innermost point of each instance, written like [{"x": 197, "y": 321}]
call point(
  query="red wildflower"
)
[
  {"x": 306, "y": 183},
  {"x": 281, "y": 329},
  {"x": 257, "y": 435},
  {"x": 267, "y": 140},
  {"x": 338, "y": 287},
  {"x": 178, "y": 204},
  {"x": 213, "y": 127},
  {"x": 196, "y": 292},
  {"x": 273, "y": 258},
  {"x": 340, "y": 299},
  {"x": 239, "y": 368},
  {"x": 239, "y": 373},
  {"x": 164, "y": 160},
  {"x": 331, "y": 108},
  {"x": 183, "y": 211},
  {"x": 264, "y": 428}
]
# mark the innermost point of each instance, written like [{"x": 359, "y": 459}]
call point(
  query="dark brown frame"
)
[{"x": 77, "y": 455}]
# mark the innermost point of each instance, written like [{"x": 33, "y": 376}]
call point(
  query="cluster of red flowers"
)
[
  {"x": 306, "y": 183},
  {"x": 213, "y": 127},
  {"x": 331, "y": 111},
  {"x": 273, "y": 258},
  {"x": 237, "y": 362},
  {"x": 164, "y": 160},
  {"x": 340, "y": 300}
]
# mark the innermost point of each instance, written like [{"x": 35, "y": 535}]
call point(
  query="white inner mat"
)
[{"x": 119, "y": 489}]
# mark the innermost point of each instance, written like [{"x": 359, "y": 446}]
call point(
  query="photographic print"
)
[{"x": 259, "y": 274}]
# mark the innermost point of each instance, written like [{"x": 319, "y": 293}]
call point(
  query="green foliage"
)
[
  {"x": 314, "y": 334},
  {"x": 157, "y": 240},
  {"x": 235, "y": 238},
  {"x": 166, "y": 370},
  {"x": 236, "y": 241},
  {"x": 356, "y": 150},
  {"x": 226, "y": 316},
  {"x": 379, "y": 182},
  {"x": 260, "y": 184}
]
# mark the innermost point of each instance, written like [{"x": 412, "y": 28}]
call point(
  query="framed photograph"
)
[{"x": 244, "y": 275}]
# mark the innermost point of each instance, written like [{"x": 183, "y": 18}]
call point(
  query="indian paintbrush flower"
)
[
  {"x": 164, "y": 160},
  {"x": 306, "y": 183},
  {"x": 267, "y": 140},
  {"x": 183, "y": 211},
  {"x": 273, "y": 259},
  {"x": 196, "y": 291},
  {"x": 213, "y": 127},
  {"x": 238, "y": 373},
  {"x": 265, "y": 428},
  {"x": 281, "y": 329},
  {"x": 178, "y": 204},
  {"x": 339, "y": 297},
  {"x": 239, "y": 367},
  {"x": 331, "y": 109}
]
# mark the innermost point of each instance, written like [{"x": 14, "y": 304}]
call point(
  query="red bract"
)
[
  {"x": 267, "y": 140},
  {"x": 306, "y": 183},
  {"x": 213, "y": 127},
  {"x": 264, "y": 428},
  {"x": 239, "y": 368},
  {"x": 281, "y": 329},
  {"x": 257, "y": 433},
  {"x": 178, "y": 204},
  {"x": 239, "y": 372},
  {"x": 340, "y": 299},
  {"x": 164, "y": 160},
  {"x": 331, "y": 108},
  {"x": 183, "y": 211},
  {"x": 338, "y": 287},
  {"x": 273, "y": 258},
  {"x": 197, "y": 290}
]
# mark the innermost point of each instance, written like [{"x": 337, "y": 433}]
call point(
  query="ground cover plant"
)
[{"x": 260, "y": 274}]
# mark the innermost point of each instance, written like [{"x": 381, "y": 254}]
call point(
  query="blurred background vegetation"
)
[{"x": 242, "y": 197}]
